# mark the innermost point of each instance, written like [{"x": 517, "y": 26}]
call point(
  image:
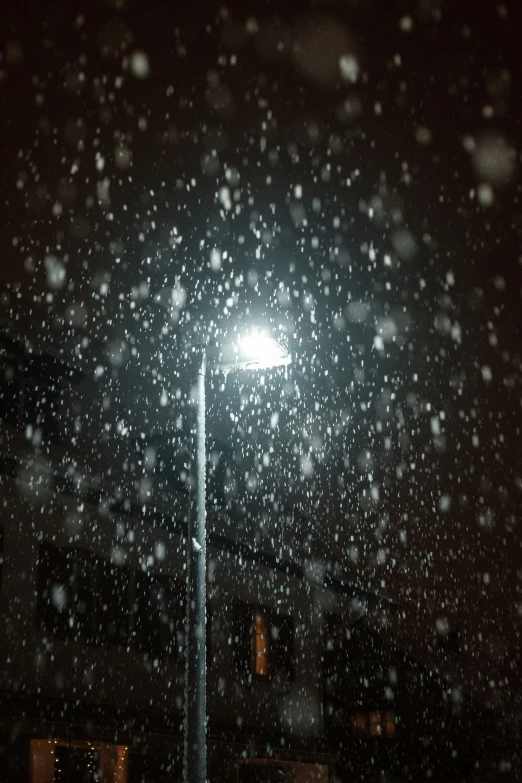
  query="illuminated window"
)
[
  {"x": 375, "y": 723},
  {"x": 389, "y": 722},
  {"x": 272, "y": 644},
  {"x": 71, "y": 761},
  {"x": 261, "y": 645},
  {"x": 265, "y": 642},
  {"x": 358, "y": 722}
]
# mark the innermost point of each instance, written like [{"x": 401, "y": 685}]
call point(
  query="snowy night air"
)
[{"x": 260, "y": 392}]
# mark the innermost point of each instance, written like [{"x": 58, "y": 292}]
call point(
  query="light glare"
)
[
  {"x": 259, "y": 351},
  {"x": 255, "y": 350}
]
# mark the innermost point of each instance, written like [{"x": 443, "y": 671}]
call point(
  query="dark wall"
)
[
  {"x": 14, "y": 759},
  {"x": 438, "y": 730},
  {"x": 154, "y": 768}
]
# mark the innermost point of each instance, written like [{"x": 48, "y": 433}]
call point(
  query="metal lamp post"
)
[{"x": 256, "y": 351}]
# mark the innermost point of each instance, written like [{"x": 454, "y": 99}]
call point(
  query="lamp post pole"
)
[
  {"x": 254, "y": 353},
  {"x": 195, "y": 756}
]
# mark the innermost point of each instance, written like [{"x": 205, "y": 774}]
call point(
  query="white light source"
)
[
  {"x": 254, "y": 351},
  {"x": 258, "y": 351}
]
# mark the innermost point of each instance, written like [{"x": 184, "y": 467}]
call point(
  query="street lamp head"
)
[
  {"x": 258, "y": 351},
  {"x": 254, "y": 351}
]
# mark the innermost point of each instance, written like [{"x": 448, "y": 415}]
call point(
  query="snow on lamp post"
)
[{"x": 254, "y": 351}]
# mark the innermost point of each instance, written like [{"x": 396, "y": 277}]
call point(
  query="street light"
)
[{"x": 255, "y": 351}]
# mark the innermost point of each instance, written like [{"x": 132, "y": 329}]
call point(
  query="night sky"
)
[{"x": 347, "y": 173}]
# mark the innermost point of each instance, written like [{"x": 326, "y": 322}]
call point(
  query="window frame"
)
[
  {"x": 57, "y": 565},
  {"x": 142, "y": 617},
  {"x": 362, "y": 727}
]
